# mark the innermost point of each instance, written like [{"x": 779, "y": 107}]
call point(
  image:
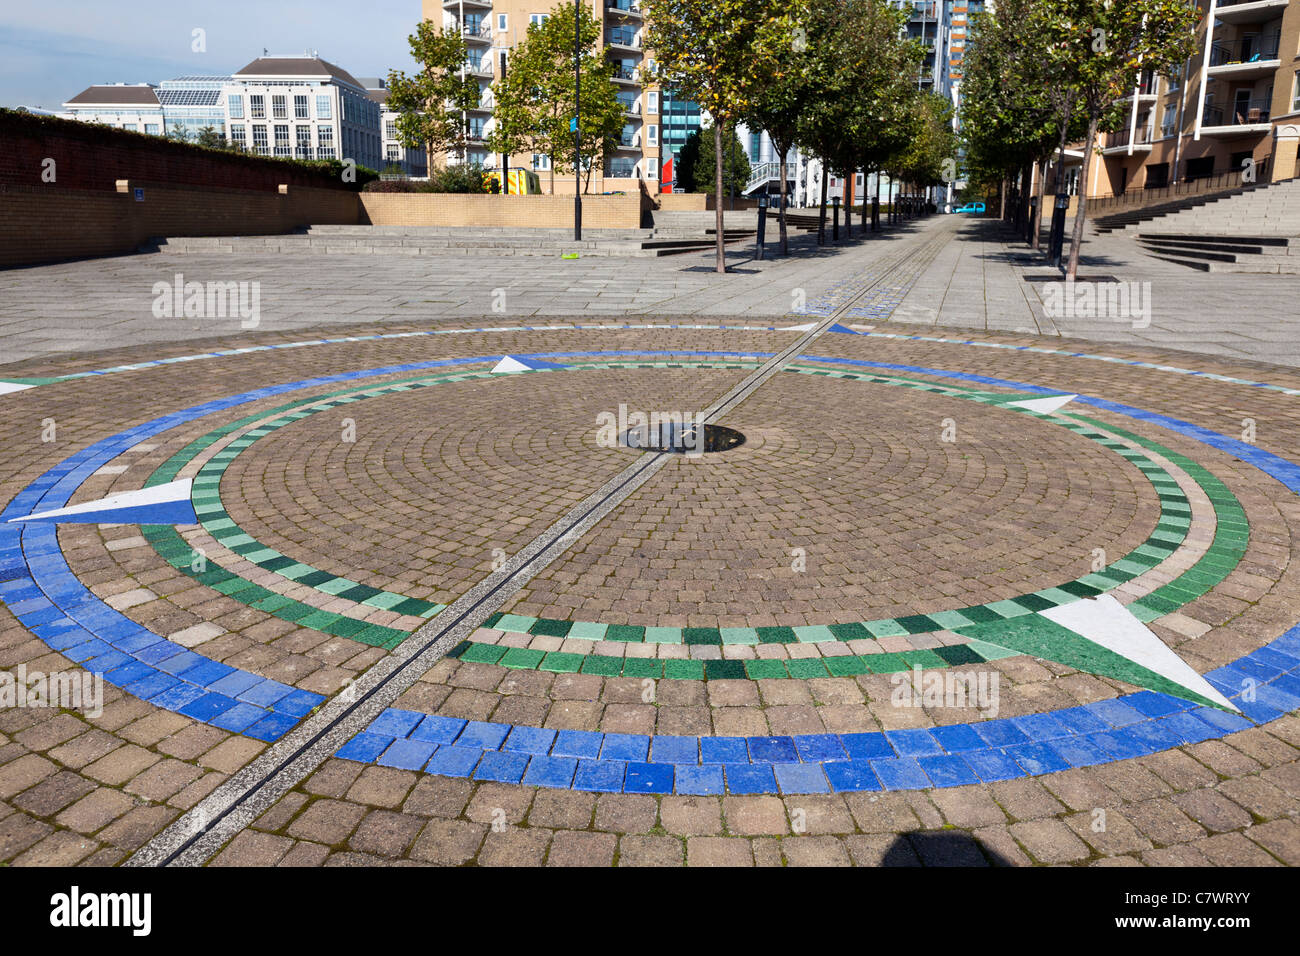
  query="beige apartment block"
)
[
  {"x": 493, "y": 28},
  {"x": 1236, "y": 100}
]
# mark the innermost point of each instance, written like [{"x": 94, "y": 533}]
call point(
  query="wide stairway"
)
[{"x": 1252, "y": 230}]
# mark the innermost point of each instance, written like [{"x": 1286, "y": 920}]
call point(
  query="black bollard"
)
[
  {"x": 1057, "y": 242},
  {"x": 762, "y": 225},
  {"x": 875, "y": 214},
  {"x": 835, "y": 218}
]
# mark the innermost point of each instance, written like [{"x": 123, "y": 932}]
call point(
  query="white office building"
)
[
  {"x": 413, "y": 162},
  {"x": 304, "y": 107}
]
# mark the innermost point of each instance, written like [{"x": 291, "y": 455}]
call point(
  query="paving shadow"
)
[{"x": 941, "y": 848}]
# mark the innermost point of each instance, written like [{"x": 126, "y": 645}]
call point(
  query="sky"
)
[{"x": 52, "y": 50}]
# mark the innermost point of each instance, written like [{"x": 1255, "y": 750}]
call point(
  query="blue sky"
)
[{"x": 51, "y": 51}]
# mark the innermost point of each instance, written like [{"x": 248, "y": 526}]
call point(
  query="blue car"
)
[{"x": 971, "y": 207}]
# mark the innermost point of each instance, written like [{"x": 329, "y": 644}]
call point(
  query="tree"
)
[
  {"x": 862, "y": 114},
  {"x": 927, "y": 159},
  {"x": 715, "y": 52},
  {"x": 433, "y": 104},
  {"x": 735, "y": 165},
  {"x": 778, "y": 104},
  {"x": 1095, "y": 48},
  {"x": 688, "y": 157},
  {"x": 209, "y": 136},
  {"x": 179, "y": 133},
  {"x": 535, "y": 100}
]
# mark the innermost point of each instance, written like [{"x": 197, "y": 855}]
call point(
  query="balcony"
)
[
  {"x": 1118, "y": 142},
  {"x": 1249, "y": 11},
  {"x": 621, "y": 170},
  {"x": 623, "y": 39},
  {"x": 624, "y": 8},
  {"x": 624, "y": 75},
  {"x": 1245, "y": 59},
  {"x": 476, "y": 4},
  {"x": 1244, "y": 118},
  {"x": 481, "y": 66},
  {"x": 631, "y": 105},
  {"x": 477, "y": 31}
]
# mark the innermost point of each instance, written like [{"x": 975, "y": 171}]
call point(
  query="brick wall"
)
[
  {"x": 521, "y": 212},
  {"x": 91, "y": 156},
  {"x": 50, "y": 223},
  {"x": 699, "y": 202}
]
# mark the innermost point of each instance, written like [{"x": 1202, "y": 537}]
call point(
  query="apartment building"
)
[
  {"x": 1235, "y": 104},
  {"x": 493, "y": 28},
  {"x": 304, "y": 107}
]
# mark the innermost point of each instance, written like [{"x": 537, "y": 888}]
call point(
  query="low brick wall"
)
[
  {"x": 698, "y": 202},
  {"x": 519, "y": 212},
  {"x": 51, "y": 223}
]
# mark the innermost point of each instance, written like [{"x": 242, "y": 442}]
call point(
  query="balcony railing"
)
[
  {"x": 1141, "y": 137},
  {"x": 1243, "y": 51},
  {"x": 623, "y": 73},
  {"x": 621, "y": 170},
  {"x": 477, "y": 30},
  {"x": 623, "y": 6},
  {"x": 622, "y": 37},
  {"x": 1244, "y": 113}
]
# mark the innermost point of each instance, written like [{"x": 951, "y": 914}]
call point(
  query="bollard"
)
[
  {"x": 835, "y": 218},
  {"x": 875, "y": 213},
  {"x": 762, "y": 225},
  {"x": 1057, "y": 243}
]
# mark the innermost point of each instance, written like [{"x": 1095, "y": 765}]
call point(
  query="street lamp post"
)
[{"x": 577, "y": 120}]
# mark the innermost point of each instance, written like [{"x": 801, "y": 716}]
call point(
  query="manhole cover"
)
[{"x": 682, "y": 438}]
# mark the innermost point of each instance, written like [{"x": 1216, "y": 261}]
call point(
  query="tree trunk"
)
[
  {"x": 1076, "y": 238},
  {"x": 1036, "y": 240},
  {"x": 821, "y": 215},
  {"x": 1002, "y": 197},
  {"x": 875, "y": 220},
  {"x": 780, "y": 213},
  {"x": 717, "y": 194}
]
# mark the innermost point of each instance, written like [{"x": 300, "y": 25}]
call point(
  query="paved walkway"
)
[{"x": 725, "y": 664}]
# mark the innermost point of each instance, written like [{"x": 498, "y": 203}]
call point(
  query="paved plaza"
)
[{"x": 367, "y": 581}]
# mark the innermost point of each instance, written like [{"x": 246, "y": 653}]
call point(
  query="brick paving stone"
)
[
  {"x": 250, "y": 848},
  {"x": 326, "y": 821},
  {"x": 650, "y": 851},
  {"x": 438, "y": 796},
  {"x": 946, "y": 848},
  {"x": 53, "y": 794},
  {"x": 119, "y": 766},
  {"x": 231, "y": 754},
  {"x": 1233, "y": 849},
  {"x": 562, "y": 809},
  {"x": 50, "y": 733},
  {"x": 1179, "y": 770},
  {"x": 625, "y": 813},
  {"x": 1109, "y": 832},
  {"x": 333, "y": 778},
  {"x": 1255, "y": 794},
  {"x": 1185, "y": 854},
  {"x": 499, "y": 802},
  {"x": 881, "y": 813},
  {"x": 448, "y": 842},
  {"x": 968, "y": 807},
  {"x": 755, "y": 816},
  {"x": 1080, "y": 789},
  {"x": 821, "y": 814},
  {"x": 1212, "y": 810},
  {"x": 163, "y": 779},
  {"x": 579, "y": 848},
  {"x": 305, "y": 854},
  {"x": 1026, "y": 799},
  {"x": 718, "y": 851},
  {"x": 1163, "y": 822},
  {"x": 137, "y": 827},
  {"x": 18, "y": 831},
  {"x": 1049, "y": 841},
  {"x": 514, "y": 847},
  {"x": 999, "y": 847},
  {"x": 815, "y": 851},
  {"x": 17, "y": 775},
  {"x": 279, "y": 815},
  {"x": 385, "y": 833},
  {"x": 691, "y": 816},
  {"x": 1280, "y": 838},
  {"x": 382, "y": 787},
  {"x": 881, "y": 849},
  {"x": 60, "y": 848},
  {"x": 95, "y": 810}
]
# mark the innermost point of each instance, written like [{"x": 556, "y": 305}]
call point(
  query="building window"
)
[
  {"x": 279, "y": 109},
  {"x": 282, "y": 139},
  {"x": 238, "y": 137},
  {"x": 259, "y": 139},
  {"x": 325, "y": 142},
  {"x": 153, "y": 129},
  {"x": 304, "y": 142},
  {"x": 652, "y": 101},
  {"x": 1295, "y": 98},
  {"x": 537, "y": 19},
  {"x": 323, "y": 107},
  {"x": 236, "y": 106},
  {"x": 652, "y": 135},
  {"x": 257, "y": 107},
  {"x": 541, "y": 161},
  {"x": 393, "y": 153},
  {"x": 390, "y": 129},
  {"x": 300, "y": 108},
  {"x": 501, "y": 23}
]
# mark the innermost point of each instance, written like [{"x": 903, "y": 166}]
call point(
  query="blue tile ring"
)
[{"x": 38, "y": 586}]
